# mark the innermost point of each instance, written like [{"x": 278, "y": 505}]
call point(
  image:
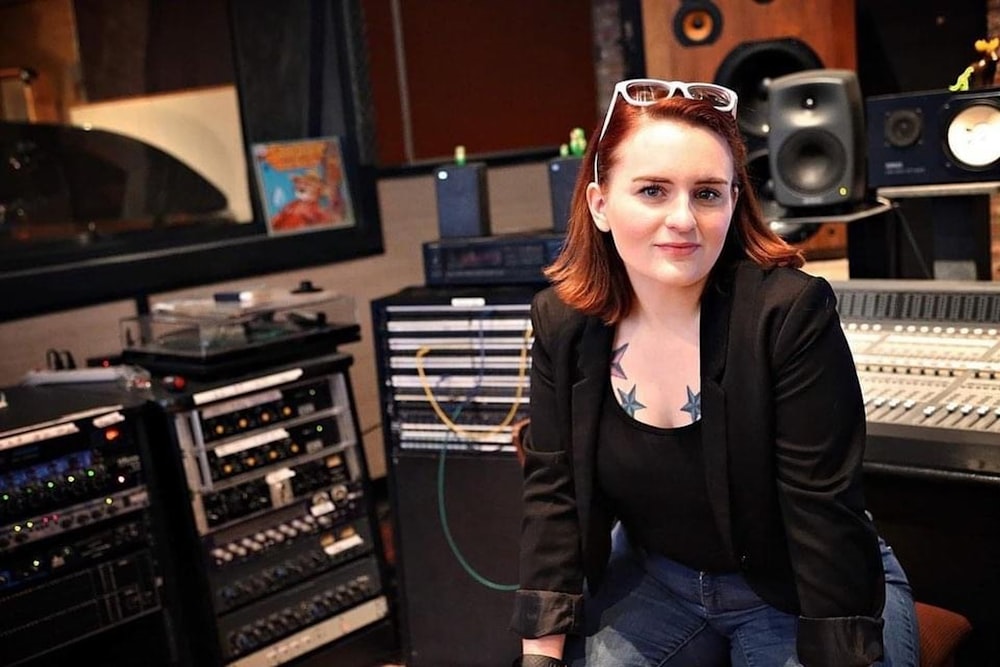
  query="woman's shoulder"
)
[
  {"x": 783, "y": 284},
  {"x": 552, "y": 314}
]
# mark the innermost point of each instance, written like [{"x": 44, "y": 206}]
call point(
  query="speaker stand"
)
[{"x": 821, "y": 215}]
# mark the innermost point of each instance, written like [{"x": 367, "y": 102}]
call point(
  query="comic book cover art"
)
[{"x": 303, "y": 185}]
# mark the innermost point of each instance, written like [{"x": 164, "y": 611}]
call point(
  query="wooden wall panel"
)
[{"x": 827, "y": 26}]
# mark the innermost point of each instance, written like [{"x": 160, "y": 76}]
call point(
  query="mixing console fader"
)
[
  {"x": 928, "y": 357},
  {"x": 278, "y": 553}
]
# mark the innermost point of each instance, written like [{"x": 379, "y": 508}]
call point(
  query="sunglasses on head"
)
[{"x": 643, "y": 92}]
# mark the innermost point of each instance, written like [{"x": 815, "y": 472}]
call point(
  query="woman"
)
[{"x": 692, "y": 489}]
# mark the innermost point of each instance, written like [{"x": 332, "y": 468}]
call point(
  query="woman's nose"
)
[{"x": 679, "y": 215}]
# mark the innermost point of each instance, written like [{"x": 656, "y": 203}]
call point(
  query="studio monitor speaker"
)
[
  {"x": 563, "y": 172},
  {"x": 463, "y": 201},
  {"x": 932, "y": 138},
  {"x": 816, "y": 141},
  {"x": 744, "y": 45}
]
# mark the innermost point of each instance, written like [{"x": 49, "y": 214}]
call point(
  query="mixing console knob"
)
[
  {"x": 908, "y": 403},
  {"x": 965, "y": 409},
  {"x": 261, "y": 632},
  {"x": 240, "y": 642},
  {"x": 894, "y": 403},
  {"x": 983, "y": 410},
  {"x": 313, "y": 610},
  {"x": 951, "y": 407},
  {"x": 221, "y": 556},
  {"x": 929, "y": 410}
]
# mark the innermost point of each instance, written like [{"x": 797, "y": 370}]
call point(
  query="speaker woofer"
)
[
  {"x": 812, "y": 162},
  {"x": 973, "y": 136}
]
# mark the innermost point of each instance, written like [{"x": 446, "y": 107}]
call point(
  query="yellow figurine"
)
[
  {"x": 962, "y": 82},
  {"x": 983, "y": 72}
]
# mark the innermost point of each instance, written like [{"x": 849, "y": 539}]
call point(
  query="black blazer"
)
[{"x": 783, "y": 433}]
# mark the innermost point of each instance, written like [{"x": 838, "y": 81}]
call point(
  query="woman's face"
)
[{"x": 667, "y": 202}]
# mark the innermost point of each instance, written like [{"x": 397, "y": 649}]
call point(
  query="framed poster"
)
[{"x": 303, "y": 185}]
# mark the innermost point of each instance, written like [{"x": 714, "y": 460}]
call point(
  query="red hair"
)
[{"x": 589, "y": 275}]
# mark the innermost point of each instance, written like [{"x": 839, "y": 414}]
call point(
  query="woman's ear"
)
[{"x": 596, "y": 203}]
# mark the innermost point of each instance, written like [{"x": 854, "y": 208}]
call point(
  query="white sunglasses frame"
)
[{"x": 621, "y": 88}]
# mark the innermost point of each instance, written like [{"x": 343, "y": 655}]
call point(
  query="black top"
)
[
  {"x": 654, "y": 478},
  {"x": 782, "y": 436}
]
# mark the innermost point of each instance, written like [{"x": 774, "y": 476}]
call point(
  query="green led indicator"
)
[
  {"x": 90, "y": 473},
  {"x": 50, "y": 484},
  {"x": 71, "y": 479}
]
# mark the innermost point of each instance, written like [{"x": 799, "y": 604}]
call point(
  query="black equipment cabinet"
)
[
  {"x": 275, "y": 552},
  {"x": 453, "y": 366},
  {"x": 80, "y": 572}
]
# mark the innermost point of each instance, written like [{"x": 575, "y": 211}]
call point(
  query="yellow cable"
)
[{"x": 442, "y": 415}]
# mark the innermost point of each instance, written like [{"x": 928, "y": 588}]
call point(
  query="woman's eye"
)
[
  {"x": 708, "y": 194},
  {"x": 651, "y": 190}
]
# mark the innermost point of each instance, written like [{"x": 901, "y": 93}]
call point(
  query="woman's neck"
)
[{"x": 667, "y": 307}]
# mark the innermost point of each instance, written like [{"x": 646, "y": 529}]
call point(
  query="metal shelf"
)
[
  {"x": 862, "y": 210},
  {"x": 939, "y": 190}
]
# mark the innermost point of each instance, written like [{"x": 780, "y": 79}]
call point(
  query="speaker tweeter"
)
[{"x": 697, "y": 23}]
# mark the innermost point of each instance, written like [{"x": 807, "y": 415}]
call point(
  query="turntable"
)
[{"x": 231, "y": 332}]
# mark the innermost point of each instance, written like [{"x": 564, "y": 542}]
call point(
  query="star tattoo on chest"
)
[
  {"x": 693, "y": 405},
  {"x": 629, "y": 402},
  {"x": 616, "y": 362}
]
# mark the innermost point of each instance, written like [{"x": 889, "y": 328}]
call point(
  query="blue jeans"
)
[{"x": 652, "y": 611}]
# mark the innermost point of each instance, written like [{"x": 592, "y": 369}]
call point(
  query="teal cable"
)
[{"x": 443, "y": 514}]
